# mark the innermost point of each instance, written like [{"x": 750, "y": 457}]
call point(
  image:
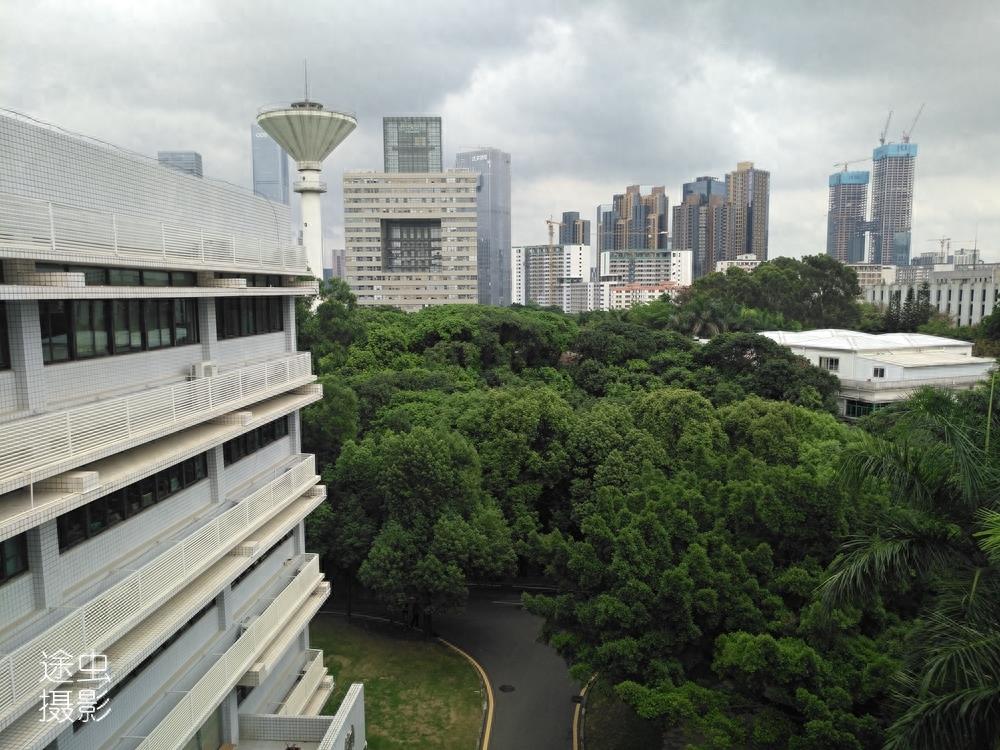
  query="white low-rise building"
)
[
  {"x": 879, "y": 369},
  {"x": 747, "y": 262},
  {"x": 625, "y": 296},
  {"x": 965, "y": 293}
]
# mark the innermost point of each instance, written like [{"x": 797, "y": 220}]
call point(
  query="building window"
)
[
  {"x": 252, "y": 441},
  {"x": 97, "y": 276},
  {"x": 87, "y": 521},
  {"x": 4, "y": 341},
  {"x": 878, "y": 372},
  {"x": 829, "y": 363},
  {"x": 13, "y": 556},
  {"x": 857, "y": 409},
  {"x": 248, "y": 316},
  {"x": 82, "y": 329}
]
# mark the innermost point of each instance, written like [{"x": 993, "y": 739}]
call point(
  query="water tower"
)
[{"x": 309, "y": 133}]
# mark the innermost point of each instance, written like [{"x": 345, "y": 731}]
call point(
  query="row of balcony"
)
[
  {"x": 38, "y": 447},
  {"x": 912, "y": 384},
  {"x": 312, "y": 680},
  {"x": 100, "y": 622},
  {"x": 35, "y": 228},
  {"x": 206, "y": 694}
]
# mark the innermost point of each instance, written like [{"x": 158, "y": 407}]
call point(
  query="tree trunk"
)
[{"x": 428, "y": 629}]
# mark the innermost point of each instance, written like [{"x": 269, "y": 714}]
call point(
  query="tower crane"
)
[
  {"x": 906, "y": 133},
  {"x": 552, "y": 228},
  {"x": 554, "y": 263},
  {"x": 943, "y": 242},
  {"x": 844, "y": 164},
  {"x": 885, "y": 129}
]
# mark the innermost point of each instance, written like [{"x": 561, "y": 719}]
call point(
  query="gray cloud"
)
[{"x": 587, "y": 96}]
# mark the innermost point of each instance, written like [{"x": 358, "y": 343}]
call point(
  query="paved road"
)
[{"x": 503, "y": 638}]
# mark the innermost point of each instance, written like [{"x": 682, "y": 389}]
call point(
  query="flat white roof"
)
[{"x": 843, "y": 339}]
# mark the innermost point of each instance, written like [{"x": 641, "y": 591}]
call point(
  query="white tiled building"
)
[
  {"x": 411, "y": 238},
  {"x": 625, "y": 296},
  {"x": 152, "y": 484},
  {"x": 879, "y": 369},
  {"x": 747, "y": 262},
  {"x": 965, "y": 293}
]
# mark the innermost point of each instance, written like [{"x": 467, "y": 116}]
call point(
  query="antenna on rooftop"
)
[{"x": 305, "y": 76}]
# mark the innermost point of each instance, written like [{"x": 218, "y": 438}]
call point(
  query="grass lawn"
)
[
  {"x": 613, "y": 725},
  {"x": 418, "y": 694}
]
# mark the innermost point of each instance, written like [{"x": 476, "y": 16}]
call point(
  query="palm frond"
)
[
  {"x": 891, "y": 557},
  {"x": 892, "y": 462},
  {"x": 989, "y": 535},
  {"x": 956, "y": 655},
  {"x": 967, "y": 718}
]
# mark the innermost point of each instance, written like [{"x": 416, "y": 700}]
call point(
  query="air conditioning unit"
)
[{"x": 204, "y": 370}]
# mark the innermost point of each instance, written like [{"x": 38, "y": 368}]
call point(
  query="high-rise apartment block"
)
[
  {"x": 576, "y": 278},
  {"x": 412, "y": 144},
  {"x": 699, "y": 223},
  {"x": 493, "y": 211},
  {"x": 748, "y": 192},
  {"x": 188, "y": 162},
  {"x": 270, "y": 166},
  {"x": 846, "y": 225},
  {"x": 553, "y": 276},
  {"x": 642, "y": 266},
  {"x": 411, "y": 239},
  {"x": 892, "y": 203},
  {"x": 634, "y": 220},
  {"x": 152, "y": 481},
  {"x": 573, "y": 230}
]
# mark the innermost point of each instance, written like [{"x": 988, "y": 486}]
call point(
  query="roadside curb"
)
[
  {"x": 487, "y": 728},
  {"x": 580, "y": 715}
]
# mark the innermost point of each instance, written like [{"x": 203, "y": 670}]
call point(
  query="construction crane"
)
[
  {"x": 885, "y": 129},
  {"x": 552, "y": 228},
  {"x": 555, "y": 264},
  {"x": 852, "y": 161},
  {"x": 906, "y": 133},
  {"x": 943, "y": 241}
]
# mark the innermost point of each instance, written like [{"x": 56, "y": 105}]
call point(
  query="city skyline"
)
[{"x": 495, "y": 88}]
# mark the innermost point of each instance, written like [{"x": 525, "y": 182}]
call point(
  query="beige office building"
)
[
  {"x": 747, "y": 197},
  {"x": 411, "y": 238}
]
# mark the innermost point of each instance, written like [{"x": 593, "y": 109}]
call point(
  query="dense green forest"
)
[{"x": 745, "y": 568}]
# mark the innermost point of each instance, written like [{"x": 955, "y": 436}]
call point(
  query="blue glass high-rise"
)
[{"x": 270, "y": 167}]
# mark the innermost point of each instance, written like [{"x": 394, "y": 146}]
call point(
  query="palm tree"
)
[{"x": 936, "y": 543}]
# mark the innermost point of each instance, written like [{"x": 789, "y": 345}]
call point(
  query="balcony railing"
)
[
  {"x": 311, "y": 678},
  {"x": 878, "y": 384},
  {"x": 69, "y": 233},
  {"x": 103, "y": 620},
  {"x": 201, "y": 700},
  {"x": 34, "y": 445},
  {"x": 349, "y": 719}
]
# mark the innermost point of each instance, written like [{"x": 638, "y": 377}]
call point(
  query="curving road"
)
[{"x": 537, "y": 714}]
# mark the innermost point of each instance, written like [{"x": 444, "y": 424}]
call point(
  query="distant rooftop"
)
[{"x": 843, "y": 339}]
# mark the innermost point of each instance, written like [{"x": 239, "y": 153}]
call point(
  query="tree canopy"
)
[{"x": 744, "y": 568}]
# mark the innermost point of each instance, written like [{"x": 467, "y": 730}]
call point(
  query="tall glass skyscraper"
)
[
  {"x": 188, "y": 162},
  {"x": 493, "y": 233},
  {"x": 412, "y": 144},
  {"x": 892, "y": 203},
  {"x": 845, "y": 224},
  {"x": 270, "y": 166},
  {"x": 699, "y": 223}
]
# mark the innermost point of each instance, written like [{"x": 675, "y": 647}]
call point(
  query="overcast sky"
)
[{"x": 586, "y": 96}]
